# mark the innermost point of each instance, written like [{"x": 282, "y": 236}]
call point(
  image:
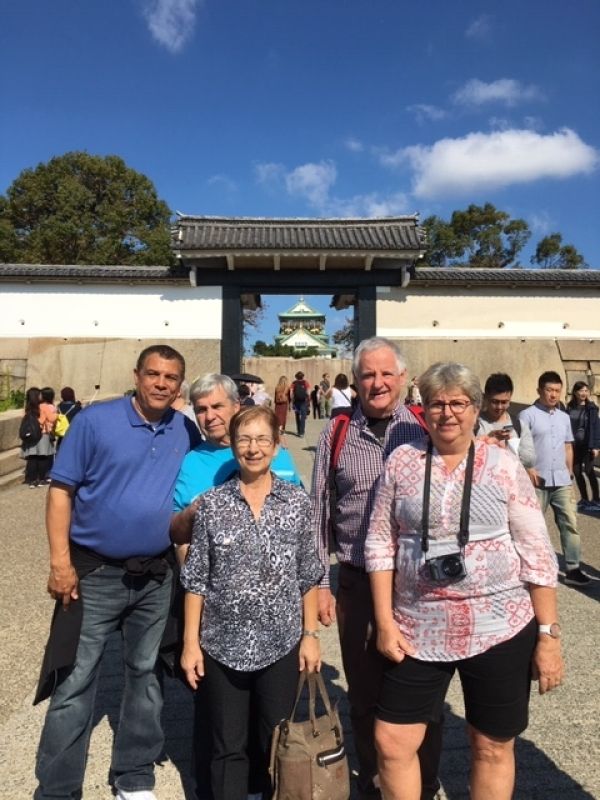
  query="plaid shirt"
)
[{"x": 359, "y": 468}]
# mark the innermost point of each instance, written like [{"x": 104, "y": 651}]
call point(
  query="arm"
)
[
  {"x": 182, "y": 523},
  {"x": 320, "y": 524},
  {"x": 310, "y": 649},
  {"x": 533, "y": 474},
  {"x": 390, "y": 642},
  {"x": 526, "y": 448},
  {"x": 548, "y": 666},
  {"x": 192, "y": 660},
  {"x": 380, "y": 551},
  {"x": 569, "y": 457},
  {"x": 63, "y": 581}
]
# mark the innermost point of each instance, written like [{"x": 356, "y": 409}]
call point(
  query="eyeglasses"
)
[
  {"x": 244, "y": 442},
  {"x": 457, "y": 407}
]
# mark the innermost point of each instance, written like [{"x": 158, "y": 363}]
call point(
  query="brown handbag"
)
[{"x": 308, "y": 759}]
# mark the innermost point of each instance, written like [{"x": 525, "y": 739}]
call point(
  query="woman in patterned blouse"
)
[
  {"x": 251, "y": 600},
  {"x": 461, "y": 583}
]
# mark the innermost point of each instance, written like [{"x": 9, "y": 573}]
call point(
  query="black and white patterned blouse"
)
[{"x": 252, "y": 574}]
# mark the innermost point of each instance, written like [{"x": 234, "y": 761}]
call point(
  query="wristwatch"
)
[
  {"x": 552, "y": 630},
  {"x": 314, "y": 634}
]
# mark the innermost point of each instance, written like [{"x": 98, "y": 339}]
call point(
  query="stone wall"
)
[
  {"x": 271, "y": 368},
  {"x": 85, "y": 364}
]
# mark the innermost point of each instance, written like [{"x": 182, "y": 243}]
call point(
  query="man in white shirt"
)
[{"x": 553, "y": 472}]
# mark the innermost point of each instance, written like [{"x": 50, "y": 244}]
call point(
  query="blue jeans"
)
[
  {"x": 139, "y": 605},
  {"x": 562, "y": 501},
  {"x": 300, "y": 410}
]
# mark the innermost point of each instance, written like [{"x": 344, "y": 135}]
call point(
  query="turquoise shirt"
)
[{"x": 209, "y": 465}]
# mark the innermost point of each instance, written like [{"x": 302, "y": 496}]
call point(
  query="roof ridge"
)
[{"x": 316, "y": 221}]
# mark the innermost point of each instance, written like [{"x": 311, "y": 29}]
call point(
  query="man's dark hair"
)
[
  {"x": 163, "y": 351},
  {"x": 549, "y": 377},
  {"x": 498, "y": 383}
]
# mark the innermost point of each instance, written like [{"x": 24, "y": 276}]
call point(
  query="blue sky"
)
[{"x": 335, "y": 107}]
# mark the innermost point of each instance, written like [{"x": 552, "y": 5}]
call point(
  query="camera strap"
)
[{"x": 463, "y": 533}]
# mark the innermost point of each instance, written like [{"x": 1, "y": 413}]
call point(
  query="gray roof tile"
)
[
  {"x": 242, "y": 233},
  {"x": 456, "y": 276}
]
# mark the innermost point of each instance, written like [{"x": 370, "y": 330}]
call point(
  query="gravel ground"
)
[{"x": 558, "y": 756}]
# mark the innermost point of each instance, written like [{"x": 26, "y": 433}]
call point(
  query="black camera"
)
[{"x": 447, "y": 568}]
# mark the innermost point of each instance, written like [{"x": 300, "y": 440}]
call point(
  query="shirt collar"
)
[
  {"x": 362, "y": 420},
  {"x": 279, "y": 487},
  {"x": 166, "y": 421}
]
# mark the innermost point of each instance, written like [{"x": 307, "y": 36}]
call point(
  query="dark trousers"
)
[
  {"x": 37, "y": 468},
  {"x": 583, "y": 464},
  {"x": 231, "y": 694},
  {"x": 300, "y": 410},
  {"x": 364, "y": 667}
]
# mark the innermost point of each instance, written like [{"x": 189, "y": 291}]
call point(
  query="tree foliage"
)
[
  {"x": 263, "y": 349},
  {"x": 84, "y": 209},
  {"x": 344, "y": 337},
  {"x": 479, "y": 236},
  {"x": 551, "y": 253}
]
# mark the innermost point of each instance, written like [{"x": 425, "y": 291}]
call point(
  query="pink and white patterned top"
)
[{"x": 508, "y": 548}]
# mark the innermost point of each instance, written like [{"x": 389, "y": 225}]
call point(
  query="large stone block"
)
[{"x": 523, "y": 359}]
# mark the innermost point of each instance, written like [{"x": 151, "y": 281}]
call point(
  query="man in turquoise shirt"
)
[{"x": 215, "y": 400}]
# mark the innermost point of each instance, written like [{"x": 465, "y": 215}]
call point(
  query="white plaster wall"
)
[
  {"x": 478, "y": 313},
  {"x": 140, "y": 312}
]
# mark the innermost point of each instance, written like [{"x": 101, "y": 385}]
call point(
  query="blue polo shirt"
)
[
  {"x": 123, "y": 470},
  {"x": 210, "y": 465}
]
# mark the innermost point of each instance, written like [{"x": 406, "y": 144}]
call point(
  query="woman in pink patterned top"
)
[{"x": 463, "y": 577}]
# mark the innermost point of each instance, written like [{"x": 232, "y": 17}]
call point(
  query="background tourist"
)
[{"x": 585, "y": 425}]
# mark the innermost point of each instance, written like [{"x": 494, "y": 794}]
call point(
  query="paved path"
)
[{"x": 558, "y": 757}]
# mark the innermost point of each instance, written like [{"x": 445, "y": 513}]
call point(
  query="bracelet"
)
[{"x": 314, "y": 634}]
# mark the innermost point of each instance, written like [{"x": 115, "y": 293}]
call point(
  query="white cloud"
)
[
  {"x": 269, "y": 173},
  {"x": 424, "y": 112},
  {"x": 491, "y": 160},
  {"x": 541, "y": 223},
  {"x": 354, "y": 145},
  {"x": 480, "y": 29},
  {"x": 171, "y": 22},
  {"x": 312, "y": 182},
  {"x": 499, "y": 123},
  {"x": 505, "y": 90},
  {"x": 223, "y": 181}
]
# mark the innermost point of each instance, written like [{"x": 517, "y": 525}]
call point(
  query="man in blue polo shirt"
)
[
  {"x": 107, "y": 519},
  {"x": 553, "y": 472}
]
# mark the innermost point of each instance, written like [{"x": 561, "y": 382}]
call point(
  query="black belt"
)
[{"x": 353, "y": 567}]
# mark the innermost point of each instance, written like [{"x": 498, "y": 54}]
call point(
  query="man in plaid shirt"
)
[{"x": 380, "y": 423}]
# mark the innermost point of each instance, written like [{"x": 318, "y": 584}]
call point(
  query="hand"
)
[
  {"x": 595, "y": 453},
  {"x": 392, "y": 644},
  {"x": 192, "y": 663},
  {"x": 63, "y": 584},
  {"x": 534, "y": 476},
  {"x": 500, "y": 434},
  {"x": 326, "y": 602},
  {"x": 310, "y": 654},
  {"x": 547, "y": 666}
]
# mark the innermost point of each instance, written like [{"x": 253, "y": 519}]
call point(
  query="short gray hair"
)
[
  {"x": 441, "y": 377},
  {"x": 377, "y": 343},
  {"x": 211, "y": 381}
]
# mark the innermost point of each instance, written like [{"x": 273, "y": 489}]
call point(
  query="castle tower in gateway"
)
[{"x": 302, "y": 327}]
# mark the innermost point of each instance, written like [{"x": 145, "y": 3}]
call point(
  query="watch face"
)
[{"x": 555, "y": 630}]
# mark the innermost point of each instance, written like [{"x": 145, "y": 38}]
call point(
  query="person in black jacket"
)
[{"x": 586, "y": 430}]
